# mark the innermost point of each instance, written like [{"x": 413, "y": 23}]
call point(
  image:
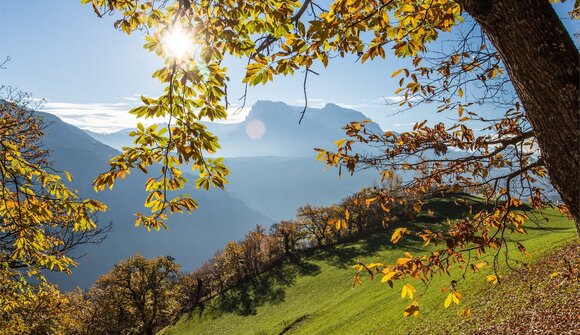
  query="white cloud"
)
[
  {"x": 99, "y": 117},
  {"x": 354, "y": 106},
  {"x": 394, "y": 99},
  {"x": 113, "y": 116},
  {"x": 402, "y": 124},
  {"x": 135, "y": 97}
]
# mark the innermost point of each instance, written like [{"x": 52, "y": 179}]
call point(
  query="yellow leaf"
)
[
  {"x": 396, "y": 73},
  {"x": 408, "y": 290},
  {"x": 460, "y": 93},
  {"x": 374, "y": 265},
  {"x": 456, "y": 297},
  {"x": 493, "y": 279},
  {"x": 340, "y": 142},
  {"x": 402, "y": 261},
  {"x": 448, "y": 300},
  {"x": 412, "y": 309},
  {"x": 398, "y": 234},
  {"x": 369, "y": 201},
  {"x": 388, "y": 276}
]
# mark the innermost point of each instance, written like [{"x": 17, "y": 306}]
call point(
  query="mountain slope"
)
[
  {"x": 277, "y": 186},
  {"x": 314, "y": 296},
  {"x": 271, "y": 129},
  {"x": 191, "y": 239}
]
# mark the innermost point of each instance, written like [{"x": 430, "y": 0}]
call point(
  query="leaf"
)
[
  {"x": 340, "y": 142},
  {"x": 398, "y": 234},
  {"x": 369, "y": 201},
  {"x": 396, "y": 73},
  {"x": 493, "y": 279},
  {"x": 448, "y": 300},
  {"x": 417, "y": 207},
  {"x": 388, "y": 276},
  {"x": 465, "y": 312},
  {"x": 522, "y": 249},
  {"x": 408, "y": 290},
  {"x": 412, "y": 309},
  {"x": 456, "y": 297},
  {"x": 460, "y": 92}
]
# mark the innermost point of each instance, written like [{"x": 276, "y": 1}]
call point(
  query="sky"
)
[{"x": 90, "y": 75}]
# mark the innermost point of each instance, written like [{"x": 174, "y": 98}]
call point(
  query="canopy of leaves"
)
[
  {"x": 494, "y": 156},
  {"x": 41, "y": 219}
]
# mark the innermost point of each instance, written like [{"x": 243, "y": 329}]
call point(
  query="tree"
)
[
  {"x": 41, "y": 219},
  {"x": 34, "y": 309},
  {"x": 497, "y": 47},
  {"x": 136, "y": 297},
  {"x": 315, "y": 223},
  {"x": 288, "y": 233}
]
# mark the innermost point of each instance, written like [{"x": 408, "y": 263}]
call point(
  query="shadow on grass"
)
[
  {"x": 434, "y": 214},
  {"x": 268, "y": 287},
  {"x": 346, "y": 255}
]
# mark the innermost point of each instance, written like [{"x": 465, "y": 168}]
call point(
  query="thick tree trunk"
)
[{"x": 543, "y": 64}]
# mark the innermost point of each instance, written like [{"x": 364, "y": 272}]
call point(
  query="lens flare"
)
[
  {"x": 179, "y": 43},
  {"x": 255, "y": 129}
]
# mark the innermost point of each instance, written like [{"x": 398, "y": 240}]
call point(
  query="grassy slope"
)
[{"x": 314, "y": 296}]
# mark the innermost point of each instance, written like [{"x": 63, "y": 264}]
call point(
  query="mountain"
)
[
  {"x": 277, "y": 186},
  {"x": 272, "y": 129},
  {"x": 276, "y": 173},
  {"x": 222, "y": 217},
  {"x": 282, "y": 135},
  {"x": 116, "y": 140},
  {"x": 271, "y": 176}
]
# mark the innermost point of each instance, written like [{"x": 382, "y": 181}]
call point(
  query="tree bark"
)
[{"x": 542, "y": 62}]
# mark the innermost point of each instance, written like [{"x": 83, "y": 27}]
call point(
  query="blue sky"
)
[{"x": 91, "y": 74}]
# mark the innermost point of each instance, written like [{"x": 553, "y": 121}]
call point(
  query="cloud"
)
[
  {"x": 99, "y": 117},
  {"x": 402, "y": 124},
  {"x": 109, "y": 117},
  {"x": 135, "y": 97},
  {"x": 394, "y": 99},
  {"x": 354, "y": 106}
]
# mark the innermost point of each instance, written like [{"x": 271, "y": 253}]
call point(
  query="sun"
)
[{"x": 179, "y": 43}]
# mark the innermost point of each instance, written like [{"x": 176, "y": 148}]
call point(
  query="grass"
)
[{"x": 313, "y": 294}]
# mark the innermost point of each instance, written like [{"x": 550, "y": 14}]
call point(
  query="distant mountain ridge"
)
[{"x": 282, "y": 135}]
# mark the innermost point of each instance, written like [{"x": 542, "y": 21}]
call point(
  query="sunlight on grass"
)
[{"x": 314, "y": 295}]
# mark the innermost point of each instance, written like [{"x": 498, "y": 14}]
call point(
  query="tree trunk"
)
[{"x": 542, "y": 62}]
